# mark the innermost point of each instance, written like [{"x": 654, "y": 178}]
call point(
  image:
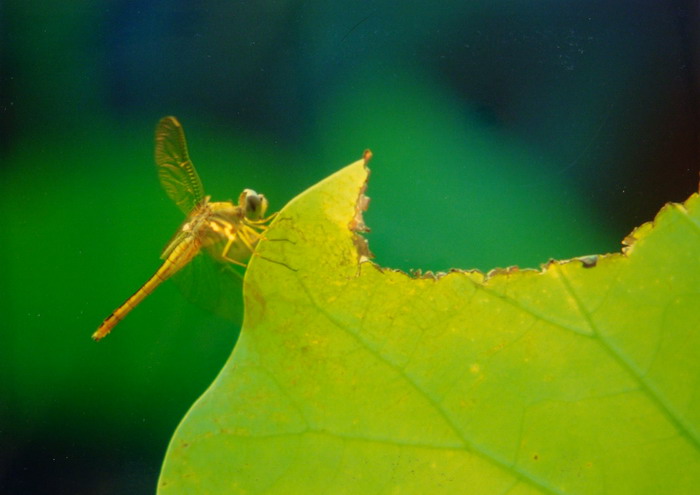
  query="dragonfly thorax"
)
[{"x": 198, "y": 219}]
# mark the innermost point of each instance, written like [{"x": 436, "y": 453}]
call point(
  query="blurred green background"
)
[{"x": 504, "y": 133}]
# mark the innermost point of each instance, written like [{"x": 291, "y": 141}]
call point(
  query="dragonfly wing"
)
[
  {"x": 175, "y": 169},
  {"x": 213, "y": 286}
]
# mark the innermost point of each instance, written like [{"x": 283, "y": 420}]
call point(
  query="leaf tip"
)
[{"x": 357, "y": 224}]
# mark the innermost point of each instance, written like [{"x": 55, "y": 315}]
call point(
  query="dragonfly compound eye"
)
[{"x": 255, "y": 204}]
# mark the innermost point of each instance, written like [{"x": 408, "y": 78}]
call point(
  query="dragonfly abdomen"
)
[{"x": 180, "y": 256}]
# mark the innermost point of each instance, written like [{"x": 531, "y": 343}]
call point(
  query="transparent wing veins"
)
[{"x": 175, "y": 169}]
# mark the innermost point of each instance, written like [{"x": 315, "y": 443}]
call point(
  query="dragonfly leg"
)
[
  {"x": 227, "y": 248},
  {"x": 242, "y": 235},
  {"x": 259, "y": 225},
  {"x": 249, "y": 237},
  {"x": 281, "y": 263},
  {"x": 261, "y": 236},
  {"x": 261, "y": 221}
]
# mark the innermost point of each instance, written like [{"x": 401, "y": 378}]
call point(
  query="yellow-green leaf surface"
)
[{"x": 581, "y": 378}]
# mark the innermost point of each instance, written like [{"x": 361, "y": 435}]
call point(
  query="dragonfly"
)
[{"x": 228, "y": 232}]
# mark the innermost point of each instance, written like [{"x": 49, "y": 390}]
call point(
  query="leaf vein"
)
[
  {"x": 516, "y": 471},
  {"x": 530, "y": 311},
  {"x": 645, "y": 385}
]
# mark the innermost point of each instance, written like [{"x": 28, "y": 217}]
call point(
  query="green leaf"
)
[{"x": 581, "y": 378}]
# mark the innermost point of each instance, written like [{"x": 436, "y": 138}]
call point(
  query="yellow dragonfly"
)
[{"x": 228, "y": 232}]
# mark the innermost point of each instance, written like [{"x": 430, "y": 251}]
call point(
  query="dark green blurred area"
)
[{"x": 504, "y": 133}]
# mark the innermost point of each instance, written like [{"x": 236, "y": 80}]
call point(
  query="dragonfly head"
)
[{"x": 254, "y": 205}]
